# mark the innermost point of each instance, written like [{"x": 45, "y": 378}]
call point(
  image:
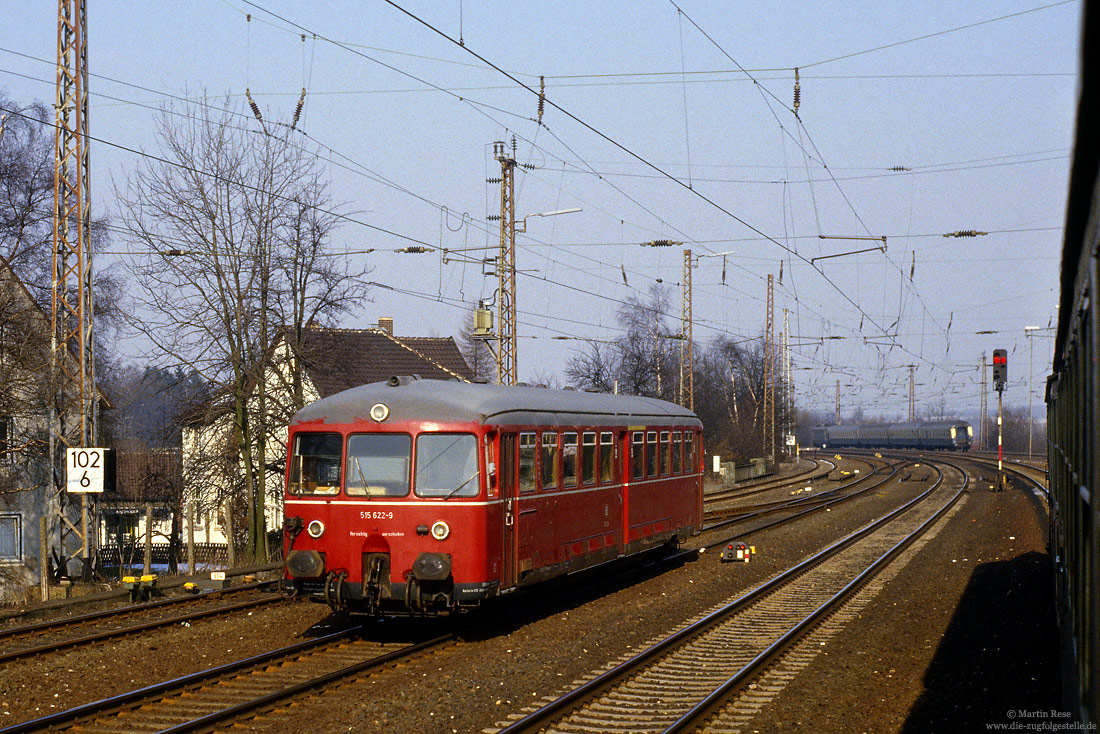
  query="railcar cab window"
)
[
  {"x": 551, "y": 478},
  {"x": 378, "y": 464},
  {"x": 446, "y": 465},
  {"x": 315, "y": 464}
]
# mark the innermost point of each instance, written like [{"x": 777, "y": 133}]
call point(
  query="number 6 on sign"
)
[{"x": 84, "y": 470}]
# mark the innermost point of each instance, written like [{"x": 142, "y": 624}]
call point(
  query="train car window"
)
[
  {"x": 689, "y": 452},
  {"x": 607, "y": 456},
  {"x": 551, "y": 476},
  {"x": 378, "y": 464},
  {"x": 527, "y": 462},
  {"x": 569, "y": 459},
  {"x": 637, "y": 455},
  {"x": 446, "y": 465},
  {"x": 507, "y": 479},
  {"x": 492, "y": 480},
  {"x": 663, "y": 451},
  {"x": 677, "y": 447},
  {"x": 651, "y": 454},
  {"x": 315, "y": 464},
  {"x": 588, "y": 457}
]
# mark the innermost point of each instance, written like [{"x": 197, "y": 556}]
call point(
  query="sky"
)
[{"x": 663, "y": 121}]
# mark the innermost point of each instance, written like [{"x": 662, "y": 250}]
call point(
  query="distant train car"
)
[
  {"x": 949, "y": 436},
  {"x": 423, "y": 496}
]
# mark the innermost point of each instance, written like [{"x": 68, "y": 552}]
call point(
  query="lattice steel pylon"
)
[
  {"x": 72, "y": 406},
  {"x": 506, "y": 270},
  {"x": 687, "y": 354},
  {"x": 769, "y": 376}
]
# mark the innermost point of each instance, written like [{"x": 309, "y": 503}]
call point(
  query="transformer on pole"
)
[
  {"x": 72, "y": 407},
  {"x": 506, "y": 270}
]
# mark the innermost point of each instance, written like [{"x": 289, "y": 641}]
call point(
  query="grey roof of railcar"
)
[{"x": 452, "y": 401}]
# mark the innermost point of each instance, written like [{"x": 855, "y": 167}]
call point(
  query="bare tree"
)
[
  {"x": 237, "y": 225},
  {"x": 642, "y": 360}
]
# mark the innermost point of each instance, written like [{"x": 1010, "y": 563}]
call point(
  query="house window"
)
[
  {"x": 7, "y": 443},
  {"x": 11, "y": 538}
]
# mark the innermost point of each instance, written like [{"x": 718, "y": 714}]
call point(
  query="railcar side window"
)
[
  {"x": 677, "y": 447},
  {"x": 551, "y": 479},
  {"x": 446, "y": 465},
  {"x": 689, "y": 452},
  {"x": 607, "y": 456},
  {"x": 315, "y": 464},
  {"x": 588, "y": 457},
  {"x": 651, "y": 454},
  {"x": 637, "y": 455},
  {"x": 663, "y": 451},
  {"x": 527, "y": 462},
  {"x": 378, "y": 464},
  {"x": 569, "y": 459}
]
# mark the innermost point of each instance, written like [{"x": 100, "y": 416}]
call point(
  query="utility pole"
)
[
  {"x": 769, "y": 376},
  {"x": 1029, "y": 332},
  {"x": 912, "y": 396},
  {"x": 506, "y": 269},
  {"x": 837, "y": 420},
  {"x": 788, "y": 379},
  {"x": 72, "y": 408},
  {"x": 984, "y": 416},
  {"x": 687, "y": 355}
]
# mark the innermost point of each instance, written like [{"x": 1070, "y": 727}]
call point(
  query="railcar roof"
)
[{"x": 452, "y": 401}]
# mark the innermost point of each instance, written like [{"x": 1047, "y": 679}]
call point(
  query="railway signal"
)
[
  {"x": 1000, "y": 377},
  {"x": 1000, "y": 369}
]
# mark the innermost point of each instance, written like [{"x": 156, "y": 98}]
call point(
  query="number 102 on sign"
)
[{"x": 84, "y": 470}]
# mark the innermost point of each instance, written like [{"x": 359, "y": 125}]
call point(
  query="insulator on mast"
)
[
  {"x": 797, "y": 92},
  {"x": 298, "y": 109},
  {"x": 542, "y": 97}
]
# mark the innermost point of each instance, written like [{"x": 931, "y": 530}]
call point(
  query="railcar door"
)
[{"x": 510, "y": 512}]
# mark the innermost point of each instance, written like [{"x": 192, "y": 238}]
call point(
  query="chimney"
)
[{"x": 385, "y": 324}]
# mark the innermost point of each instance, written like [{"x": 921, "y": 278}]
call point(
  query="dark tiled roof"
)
[
  {"x": 339, "y": 359},
  {"x": 145, "y": 476}
]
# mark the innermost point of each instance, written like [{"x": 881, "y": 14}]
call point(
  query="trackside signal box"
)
[{"x": 1000, "y": 369}]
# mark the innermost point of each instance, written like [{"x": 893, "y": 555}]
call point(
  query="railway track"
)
[
  {"x": 798, "y": 507},
  {"x": 681, "y": 682},
  {"x": 47, "y": 637},
  {"x": 205, "y": 699},
  {"x": 749, "y": 489}
]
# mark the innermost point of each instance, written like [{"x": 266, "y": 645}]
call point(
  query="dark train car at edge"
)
[
  {"x": 422, "y": 496},
  {"x": 945, "y": 435}
]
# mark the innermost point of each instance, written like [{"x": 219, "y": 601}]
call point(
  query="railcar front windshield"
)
[
  {"x": 446, "y": 465},
  {"x": 378, "y": 464},
  {"x": 315, "y": 464}
]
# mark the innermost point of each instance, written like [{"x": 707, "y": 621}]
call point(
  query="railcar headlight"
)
[
  {"x": 379, "y": 412},
  {"x": 440, "y": 530},
  {"x": 316, "y": 528}
]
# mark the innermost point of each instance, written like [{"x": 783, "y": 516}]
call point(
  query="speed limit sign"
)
[{"x": 84, "y": 470}]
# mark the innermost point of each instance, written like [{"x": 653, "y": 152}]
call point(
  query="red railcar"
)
[{"x": 424, "y": 496}]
